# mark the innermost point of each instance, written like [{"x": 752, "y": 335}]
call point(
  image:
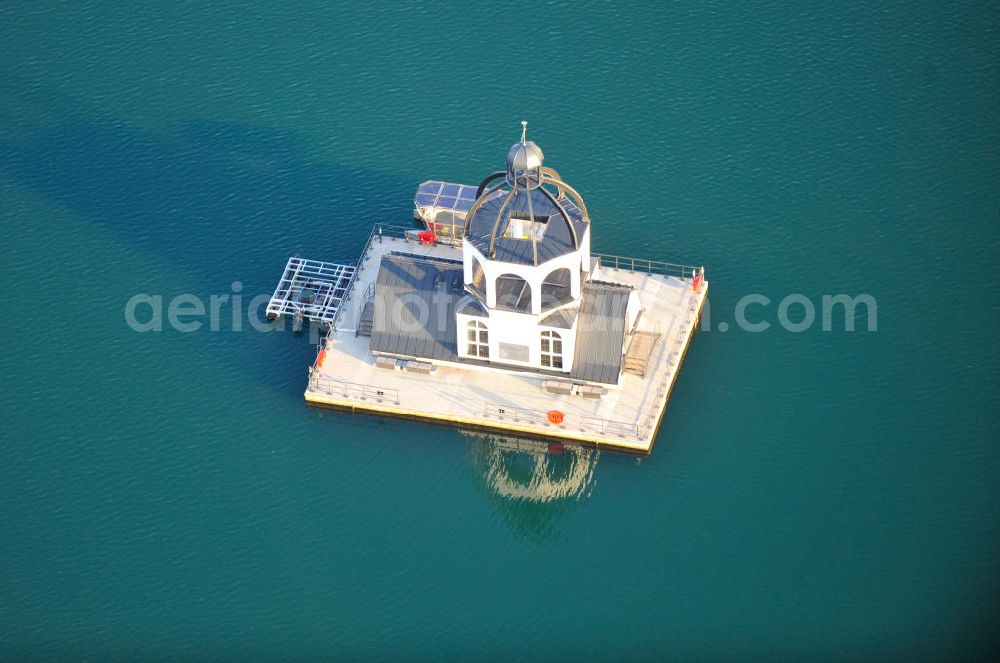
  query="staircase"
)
[
  {"x": 366, "y": 321},
  {"x": 639, "y": 350}
]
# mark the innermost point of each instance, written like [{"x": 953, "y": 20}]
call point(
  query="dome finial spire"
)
[{"x": 524, "y": 131}]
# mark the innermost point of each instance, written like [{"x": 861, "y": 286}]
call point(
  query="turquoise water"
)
[{"x": 810, "y": 493}]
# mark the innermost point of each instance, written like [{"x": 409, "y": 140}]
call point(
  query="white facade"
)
[
  {"x": 577, "y": 262},
  {"x": 518, "y": 337},
  {"x": 531, "y": 307}
]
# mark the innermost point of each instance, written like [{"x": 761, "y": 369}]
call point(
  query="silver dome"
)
[
  {"x": 524, "y": 155},
  {"x": 549, "y": 223}
]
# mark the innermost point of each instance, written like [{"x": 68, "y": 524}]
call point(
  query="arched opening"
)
[
  {"x": 478, "y": 340},
  {"x": 552, "y": 356},
  {"x": 513, "y": 293},
  {"x": 478, "y": 283},
  {"x": 556, "y": 288}
]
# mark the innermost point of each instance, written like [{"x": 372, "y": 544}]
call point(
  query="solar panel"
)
[
  {"x": 444, "y": 197},
  {"x": 443, "y": 205}
]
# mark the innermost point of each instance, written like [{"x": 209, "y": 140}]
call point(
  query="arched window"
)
[
  {"x": 552, "y": 350},
  {"x": 556, "y": 288},
  {"x": 513, "y": 293},
  {"x": 478, "y": 340},
  {"x": 478, "y": 284}
]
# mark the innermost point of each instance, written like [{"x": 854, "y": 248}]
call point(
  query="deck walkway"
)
[{"x": 626, "y": 417}]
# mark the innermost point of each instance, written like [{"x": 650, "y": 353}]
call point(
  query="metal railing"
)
[
  {"x": 379, "y": 231},
  {"x": 409, "y": 234},
  {"x": 515, "y": 414},
  {"x": 584, "y": 423},
  {"x": 369, "y": 293},
  {"x": 353, "y": 390},
  {"x": 385, "y": 230},
  {"x": 359, "y": 315},
  {"x": 607, "y": 428},
  {"x": 648, "y": 266},
  {"x": 673, "y": 358}
]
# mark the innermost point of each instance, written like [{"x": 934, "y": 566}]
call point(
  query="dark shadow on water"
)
[
  {"x": 209, "y": 195},
  {"x": 222, "y": 202},
  {"x": 225, "y": 202}
]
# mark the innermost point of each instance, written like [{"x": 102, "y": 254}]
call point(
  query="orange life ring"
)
[{"x": 556, "y": 417}]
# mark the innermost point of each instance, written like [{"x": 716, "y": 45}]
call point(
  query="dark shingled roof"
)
[
  {"x": 556, "y": 240},
  {"x": 600, "y": 333},
  {"x": 415, "y": 302},
  {"x": 471, "y": 306},
  {"x": 562, "y": 318}
]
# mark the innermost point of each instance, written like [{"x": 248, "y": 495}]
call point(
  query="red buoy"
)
[
  {"x": 426, "y": 237},
  {"x": 556, "y": 448},
  {"x": 556, "y": 417}
]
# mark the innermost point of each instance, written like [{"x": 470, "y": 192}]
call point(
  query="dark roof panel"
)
[
  {"x": 556, "y": 240},
  {"x": 563, "y": 318},
  {"x": 469, "y": 305},
  {"x": 415, "y": 299},
  {"x": 600, "y": 333}
]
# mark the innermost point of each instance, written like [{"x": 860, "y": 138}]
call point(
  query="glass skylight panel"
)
[{"x": 446, "y": 196}]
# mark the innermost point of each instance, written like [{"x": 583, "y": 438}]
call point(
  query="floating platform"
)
[
  {"x": 311, "y": 289},
  {"x": 625, "y": 416},
  {"x": 497, "y": 315}
]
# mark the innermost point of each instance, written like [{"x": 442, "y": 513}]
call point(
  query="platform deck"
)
[{"x": 626, "y": 417}]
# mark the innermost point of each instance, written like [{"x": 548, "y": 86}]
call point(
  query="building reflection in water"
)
[{"x": 533, "y": 482}]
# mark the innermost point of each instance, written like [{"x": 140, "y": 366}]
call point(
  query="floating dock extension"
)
[{"x": 312, "y": 289}]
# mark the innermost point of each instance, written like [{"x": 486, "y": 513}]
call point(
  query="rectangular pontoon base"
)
[{"x": 625, "y": 416}]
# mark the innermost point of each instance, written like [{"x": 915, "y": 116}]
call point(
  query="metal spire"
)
[{"x": 524, "y": 130}]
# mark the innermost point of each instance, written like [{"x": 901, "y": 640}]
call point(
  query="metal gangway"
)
[{"x": 310, "y": 289}]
